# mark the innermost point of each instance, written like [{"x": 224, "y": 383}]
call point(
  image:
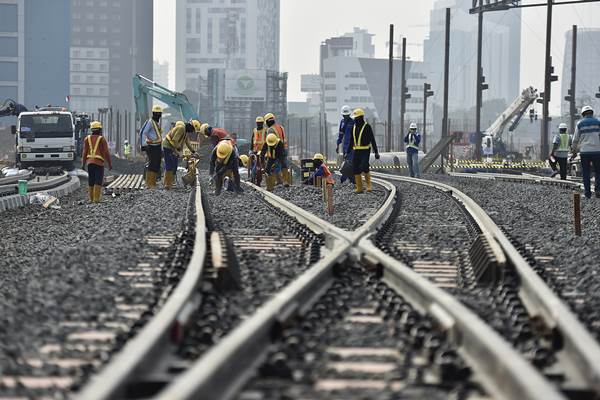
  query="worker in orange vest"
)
[
  {"x": 321, "y": 170},
  {"x": 277, "y": 129},
  {"x": 259, "y": 135},
  {"x": 95, "y": 154}
]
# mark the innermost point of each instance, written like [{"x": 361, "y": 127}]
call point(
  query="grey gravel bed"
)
[
  {"x": 351, "y": 210},
  {"x": 263, "y": 272},
  {"x": 360, "y": 312},
  {"x": 60, "y": 267},
  {"x": 539, "y": 219}
]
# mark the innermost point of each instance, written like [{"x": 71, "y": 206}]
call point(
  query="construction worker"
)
[
  {"x": 344, "y": 138},
  {"x": 412, "y": 141},
  {"x": 224, "y": 163},
  {"x": 321, "y": 170},
  {"x": 363, "y": 140},
  {"x": 277, "y": 129},
  {"x": 257, "y": 141},
  {"x": 95, "y": 154},
  {"x": 173, "y": 145},
  {"x": 244, "y": 160},
  {"x": 215, "y": 134},
  {"x": 151, "y": 143},
  {"x": 273, "y": 156},
  {"x": 586, "y": 142},
  {"x": 560, "y": 149},
  {"x": 126, "y": 149}
]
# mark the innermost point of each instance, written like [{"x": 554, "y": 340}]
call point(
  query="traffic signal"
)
[
  {"x": 427, "y": 92},
  {"x": 569, "y": 98},
  {"x": 553, "y": 78},
  {"x": 406, "y": 94},
  {"x": 484, "y": 86},
  {"x": 540, "y": 99}
]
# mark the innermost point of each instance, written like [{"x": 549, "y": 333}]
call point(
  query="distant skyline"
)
[{"x": 304, "y": 24}]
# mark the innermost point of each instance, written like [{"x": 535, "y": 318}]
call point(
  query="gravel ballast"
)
[
  {"x": 66, "y": 273},
  {"x": 351, "y": 210}
]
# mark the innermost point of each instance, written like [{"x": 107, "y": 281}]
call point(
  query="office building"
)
[{"x": 161, "y": 73}]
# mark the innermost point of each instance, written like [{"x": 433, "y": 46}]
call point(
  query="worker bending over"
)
[
  {"x": 151, "y": 143},
  {"x": 344, "y": 138},
  {"x": 587, "y": 142},
  {"x": 412, "y": 141},
  {"x": 224, "y": 163},
  {"x": 321, "y": 170},
  {"x": 95, "y": 154},
  {"x": 273, "y": 157},
  {"x": 173, "y": 144},
  {"x": 560, "y": 149},
  {"x": 363, "y": 140},
  {"x": 274, "y": 128},
  {"x": 215, "y": 134}
]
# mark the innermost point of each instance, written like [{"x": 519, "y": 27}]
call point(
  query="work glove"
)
[{"x": 377, "y": 156}]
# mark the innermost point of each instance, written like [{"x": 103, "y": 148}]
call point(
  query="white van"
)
[{"x": 45, "y": 138}]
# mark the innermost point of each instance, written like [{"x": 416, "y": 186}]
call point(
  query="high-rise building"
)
[
  {"x": 588, "y": 65},
  {"x": 161, "y": 73},
  {"x": 34, "y": 53},
  {"x": 500, "y": 58},
  {"x": 231, "y": 34},
  {"x": 111, "y": 41}
]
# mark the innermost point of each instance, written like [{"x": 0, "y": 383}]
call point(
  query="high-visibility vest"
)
[
  {"x": 411, "y": 141},
  {"x": 564, "y": 142},
  {"x": 280, "y": 132},
  {"x": 126, "y": 149},
  {"x": 270, "y": 152},
  {"x": 357, "y": 143},
  {"x": 170, "y": 138},
  {"x": 93, "y": 149},
  {"x": 258, "y": 139},
  {"x": 158, "y": 132}
]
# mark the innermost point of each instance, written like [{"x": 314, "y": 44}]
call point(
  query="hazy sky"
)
[{"x": 306, "y": 23}]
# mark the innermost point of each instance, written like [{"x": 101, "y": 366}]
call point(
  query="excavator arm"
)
[{"x": 143, "y": 88}]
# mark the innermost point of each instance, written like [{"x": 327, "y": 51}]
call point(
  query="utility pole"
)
[
  {"x": 479, "y": 82},
  {"x": 427, "y": 92},
  {"x": 572, "y": 91},
  {"x": 388, "y": 139},
  {"x": 446, "y": 81},
  {"x": 403, "y": 93},
  {"x": 547, "y": 85}
]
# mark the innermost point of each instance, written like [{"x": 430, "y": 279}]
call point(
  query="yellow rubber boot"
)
[
  {"x": 168, "y": 182},
  {"x": 150, "y": 179},
  {"x": 287, "y": 177},
  {"x": 358, "y": 183},
  {"x": 92, "y": 193},
  {"x": 271, "y": 182},
  {"x": 97, "y": 193},
  {"x": 368, "y": 180}
]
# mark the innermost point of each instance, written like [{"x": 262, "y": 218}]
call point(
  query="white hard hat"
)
[
  {"x": 126, "y": 141},
  {"x": 586, "y": 109},
  {"x": 413, "y": 125},
  {"x": 562, "y": 126},
  {"x": 346, "y": 110}
]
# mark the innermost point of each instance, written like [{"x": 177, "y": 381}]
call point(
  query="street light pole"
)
[
  {"x": 390, "y": 91},
  {"x": 403, "y": 93},
  {"x": 479, "y": 81},
  {"x": 547, "y": 85}
]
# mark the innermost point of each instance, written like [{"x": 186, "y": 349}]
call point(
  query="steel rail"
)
[
  {"x": 140, "y": 352},
  {"x": 580, "y": 348},
  {"x": 10, "y": 189},
  {"x": 523, "y": 178},
  {"x": 15, "y": 178},
  {"x": 227, "y": 366}
]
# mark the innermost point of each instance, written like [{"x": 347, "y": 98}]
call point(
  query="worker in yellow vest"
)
[
  {"x": 259, "y": 135},
  {"x": 363, "y": 140},
  {"x": 273, "y": 156},
  {"x": 173, "y": 144},
  {"x": 277, "y": 129},
  {"x": 95, "y": 154},
  {"x": 126, "y": 149},
  {"x": 151, "y": 143}
]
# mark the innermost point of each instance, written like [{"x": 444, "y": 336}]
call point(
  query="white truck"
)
[{"x": 45, "y": 138}]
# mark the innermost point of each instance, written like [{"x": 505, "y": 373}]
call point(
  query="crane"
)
[{"x": 144, "y": 87}]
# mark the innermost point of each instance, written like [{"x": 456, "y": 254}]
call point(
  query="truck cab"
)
[{"x": 45, "y": 138}]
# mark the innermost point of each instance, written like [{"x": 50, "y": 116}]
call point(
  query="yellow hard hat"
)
[
  {"x": 269, "y": 116},
  {"x": 95, "y": 125},
  {"x": 358, "y": 112},
  {"x": 224, "y": 149},
  {"x": 197, "y": 125},
  {"x": 272, "y": 139},
  {"x": 318, "y": 156},
  {"x": 179, "y": 124},
  {"x": 204, "y": 128},
  {"x": 260, "y": 119},
  {"x": 244, "y": 159},
  {"x": 157, "y": 109}
]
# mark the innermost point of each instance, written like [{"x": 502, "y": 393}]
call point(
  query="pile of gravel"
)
[
  {"x": 539, "y": 219},
  {"x": 59, "y": 272},
  {"x": 350, "y": 210}
]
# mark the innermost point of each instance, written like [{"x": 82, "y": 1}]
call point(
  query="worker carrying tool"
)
[
  {"x": 560, "y": 149},
  {"x": 586, "y": 142},
  {"x": 321, "y": 170},
  {"x": 151, "y": 143},
  {"x": 274, "y": 128},
  {"x": 95, "y": 154},
  {"x": 126, "y": 149},
  {"x": 363, "y": 140},
  {"x": 224, "y": 163},
  {"x": 344, "y": 138},
  {"x": 273, "y": 156},
  {"x": 173, "y": 144},
  {"x": 412, "y": 141}
]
